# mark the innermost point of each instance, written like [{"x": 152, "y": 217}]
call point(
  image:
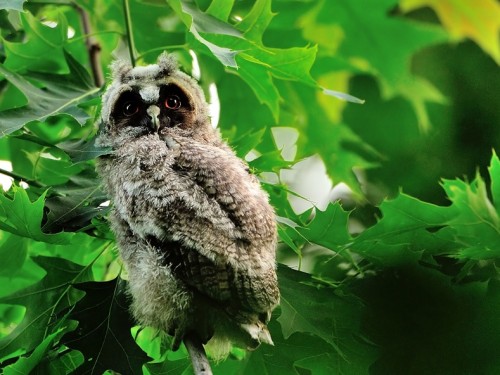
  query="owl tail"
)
[{"x": 248, "y": 335}]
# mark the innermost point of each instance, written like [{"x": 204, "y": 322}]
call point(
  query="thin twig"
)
[
  {"x": 20, "y": 178},
  {"x": 93, "y": 48},
  {"x": 130, "y": 37},
  {"x": 199, "y": 359}
]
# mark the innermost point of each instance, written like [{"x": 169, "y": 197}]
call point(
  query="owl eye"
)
[
  {"x": 130, "y": 108},
  {"x": 173, "y": 102}
]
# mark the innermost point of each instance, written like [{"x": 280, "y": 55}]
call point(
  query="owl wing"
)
[
  {"x": 221, "y": 236},
  {"x": 221, "y": 283}
]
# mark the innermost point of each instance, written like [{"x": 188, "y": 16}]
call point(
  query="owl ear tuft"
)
[
  {"x": 119, "y": 69},
  {"x": 167, "y": 63}
]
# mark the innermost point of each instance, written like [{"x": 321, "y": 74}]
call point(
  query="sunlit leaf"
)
[
  {"x": 384, "y": 44},
  {"x": 199, "y": 22},
  {"x": 42, "y": 40},
  {"x": 14, "y": 4},
  {"x": 478, "y": 20}
]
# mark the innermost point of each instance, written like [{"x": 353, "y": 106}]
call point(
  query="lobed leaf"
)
[
  {"x": 328, "y": 228},
  {"x": 23, "y": 218},
  {"x": 103, "y": 334},
  {"x": 324, "y": 314},
  {"x": 44, "y": 301}
]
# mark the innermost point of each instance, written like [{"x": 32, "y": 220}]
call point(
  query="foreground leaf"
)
[
  {"x": 103, "y": 334},
  {"x": 44, "y": 302},
  {"x": 26, "y": 365},
  {"x": 23, "y": 218},
  {"x": 324, "y": 314}
]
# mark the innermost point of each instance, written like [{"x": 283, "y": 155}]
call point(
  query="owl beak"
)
[{"x": 153, "y": 112}]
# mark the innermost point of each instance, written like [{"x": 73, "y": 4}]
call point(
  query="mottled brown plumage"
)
[{"x": 194, "y": 228}]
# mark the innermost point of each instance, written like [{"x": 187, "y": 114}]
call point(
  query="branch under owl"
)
[{"x": 199, "y": 359}]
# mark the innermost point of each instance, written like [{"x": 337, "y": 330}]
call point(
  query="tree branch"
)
[
  {"x": 93, "y": 48},
  {"x": 199, "y": 359},
  {"x": 130, "y": 37}
]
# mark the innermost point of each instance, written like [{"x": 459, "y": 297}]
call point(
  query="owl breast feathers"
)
[{"x": 193, "y": 226}]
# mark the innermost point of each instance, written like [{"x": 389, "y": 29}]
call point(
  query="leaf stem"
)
[
  {"x": 130, "y": 37},
  {"x": 93, "y": 48},
  {"x": 20, "y": 178}
]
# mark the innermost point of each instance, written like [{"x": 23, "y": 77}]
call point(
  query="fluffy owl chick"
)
[{"x": 193, "y": 226}]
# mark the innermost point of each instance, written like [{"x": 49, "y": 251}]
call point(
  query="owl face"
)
[
  {"x": 148, "y": 100},
  {"x": 152, "y": 108}
]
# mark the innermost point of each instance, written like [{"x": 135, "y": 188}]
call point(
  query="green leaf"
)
[
  {"x": 247, "y": 142},
  {"x": 257, "y": 21},
  {"x": 36, "y": 160},
  {"x": 81, "y": 150},
  {"x": 44, "y": 301},
  {"x": 259, "y": 78},
  {"x": 220, "y": 9},
  {"x": 379, "y": 48},
  {"x": 407, "y": 229},
  {"x": 27, "y": 365},
  {"x": 477, "y": 226},
  {"x": 464, "y": 20},
  {"x": 198, "y": 22},
  {"x": 41, "y": 40},
  {"x": 23, "y": 218},
  {"x": 74, "y": 205},
  {"x": 334, "y": 319},
  {"x": 494, "y": 171},
  {"x": 61, "y": 95},
  {"x": 103, "y": 334},
  {"x": 271, "y": 161},
  {"x": 287, "y": 64},
  {"x": 13, "y": 252},
  {"x": 328, "y": 228}
]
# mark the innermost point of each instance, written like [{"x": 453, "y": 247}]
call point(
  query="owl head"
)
[{"x": 149, "y": 99}]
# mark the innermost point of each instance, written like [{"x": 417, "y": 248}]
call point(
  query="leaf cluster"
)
[{"x": 399, "y": 275}]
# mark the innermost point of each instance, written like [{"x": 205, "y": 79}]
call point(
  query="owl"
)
[{"x": 193, "y": 226}]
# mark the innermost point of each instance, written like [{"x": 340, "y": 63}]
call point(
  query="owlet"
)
[{"x": 193, "y": 226}]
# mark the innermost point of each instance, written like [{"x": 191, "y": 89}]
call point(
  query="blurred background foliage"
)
[{"x": 388, "y": 211}]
